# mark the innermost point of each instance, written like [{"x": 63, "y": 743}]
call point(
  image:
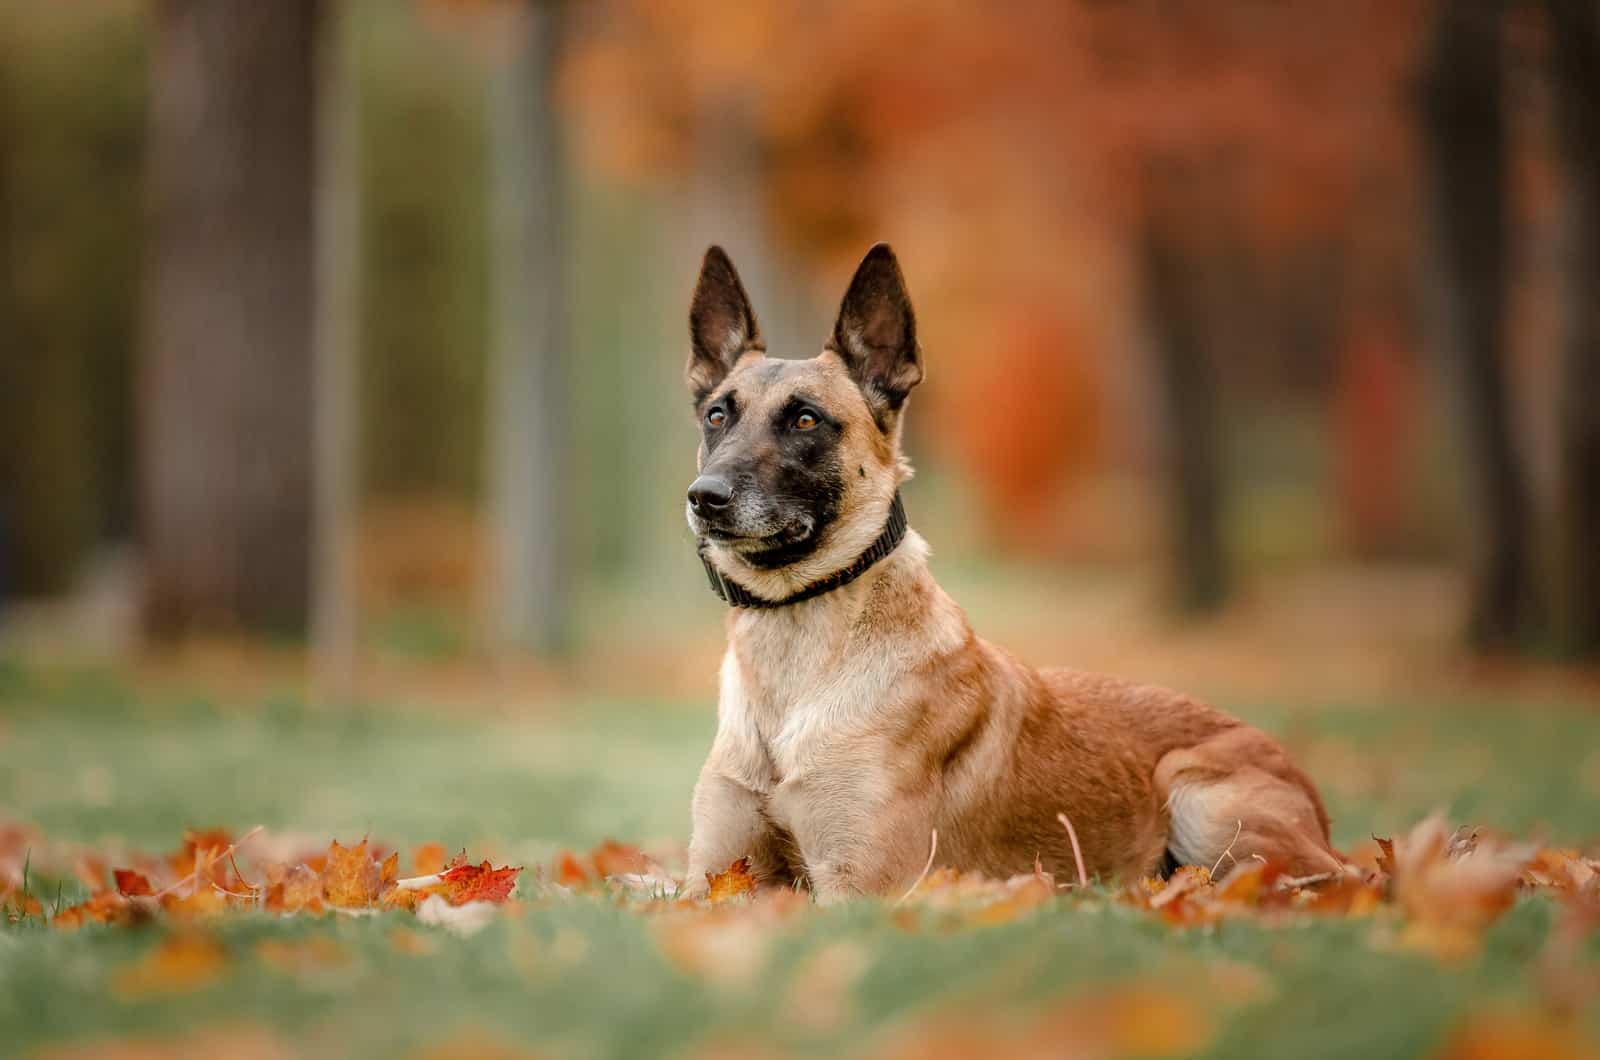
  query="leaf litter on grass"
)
[{"x": 1431, "y": 890}]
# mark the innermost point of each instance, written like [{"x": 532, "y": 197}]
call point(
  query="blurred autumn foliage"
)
[
  {"x": 1261, "y": 281},
  {"x": 1024, "y": 157}
]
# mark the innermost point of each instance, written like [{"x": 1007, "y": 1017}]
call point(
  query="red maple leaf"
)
[
  {"x": 479, "y": 883},
  {"x": 132, "y": 884}
]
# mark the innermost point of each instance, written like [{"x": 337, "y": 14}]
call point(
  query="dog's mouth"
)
[{"x": 765, "y": 551}]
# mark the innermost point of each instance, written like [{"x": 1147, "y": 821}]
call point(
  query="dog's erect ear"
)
[
  {"x": 722, "y": 326},
  {"x": 876, "y": 334}
]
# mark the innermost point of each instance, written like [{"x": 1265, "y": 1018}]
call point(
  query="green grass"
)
[{"x": 80, "y": 759}]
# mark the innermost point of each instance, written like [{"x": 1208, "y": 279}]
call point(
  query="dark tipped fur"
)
[
  {"x": 876, "y": 333},
  {"x": 722, "y": 324}
]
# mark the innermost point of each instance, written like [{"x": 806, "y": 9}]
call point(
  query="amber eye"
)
[
  {"x": 716, "y": 418},
  {"x": 805, "y": 421}
]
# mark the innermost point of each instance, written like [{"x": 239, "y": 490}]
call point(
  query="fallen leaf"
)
[
  {"x": 352, "y": 879},
  {"x": 132, "y": 884},
  {"x": 106, "y": 907},
  {"x": 293, "y": 890},
  {"x": 479, "y": 883},
  {"x": 1450, "y": 899},
  {"x": 200, "y": 854},
  {"x": 734, "y": 883},
  {"x": 203, "y": 901},
  {"x": 1385, "y": 856}
]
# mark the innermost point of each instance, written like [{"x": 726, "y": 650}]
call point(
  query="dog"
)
[{"x": 859, "y": 714}]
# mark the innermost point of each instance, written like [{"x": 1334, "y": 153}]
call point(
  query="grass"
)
[{"x": 85, "y": 761}]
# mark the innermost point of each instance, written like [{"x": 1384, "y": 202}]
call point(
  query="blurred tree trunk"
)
[
  {"x": 1464, "y": 134},
  {"x": 1188, "y": 385},
  {"x": 335, "y": 617},
  {"x": 527, "y": 429},
  {"x": 10, "y": 357},
  {"x": 225, "y": 402},
  {"x": 1576, "y": 40}
]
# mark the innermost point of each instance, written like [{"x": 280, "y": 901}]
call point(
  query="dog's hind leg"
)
[{"x": 1237, "y": 797}]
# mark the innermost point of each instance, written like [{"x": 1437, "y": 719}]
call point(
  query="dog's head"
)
[{"x": 799, "y": 459}]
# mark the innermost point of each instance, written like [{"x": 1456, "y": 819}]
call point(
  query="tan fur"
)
[{"x": 853, "y": 724}]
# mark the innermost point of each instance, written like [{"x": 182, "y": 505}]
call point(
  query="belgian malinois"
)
[{"x": 859, "y": 712}]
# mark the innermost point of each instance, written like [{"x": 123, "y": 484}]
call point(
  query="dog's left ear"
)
[{"x": 876, "y": 334}]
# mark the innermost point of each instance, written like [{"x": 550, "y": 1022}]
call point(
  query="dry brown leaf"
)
[
  {"x": 1449, "y": 900},
  {"x": 352, "y": 879},
  {"x": 1385, "y": 857},
  {"x": 293, "y": 890},
  {"x": 107, "y": 907},
  {"x": 205, "y": 901}
]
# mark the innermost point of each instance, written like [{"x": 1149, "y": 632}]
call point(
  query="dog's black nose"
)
[{"x": 709, "y": 493}]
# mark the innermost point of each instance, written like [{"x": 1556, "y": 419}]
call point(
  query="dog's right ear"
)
[{"x": 722, "y": 326}]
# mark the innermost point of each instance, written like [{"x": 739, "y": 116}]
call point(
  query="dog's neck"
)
[{"x": 826, "y": 661}]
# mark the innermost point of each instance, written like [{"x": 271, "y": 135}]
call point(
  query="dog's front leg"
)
[
  {"x": 855, "y": 841},
  {"x": 729, "y": 823}
]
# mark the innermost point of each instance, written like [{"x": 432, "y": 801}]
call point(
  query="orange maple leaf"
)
[
  {"x": 352, "y": 879},
  {"x": 132, "y": 884},
  {"x": 105, "y": 907},
  {"x": 293, "y": 890},
  {"x": 736, "y": 881}
]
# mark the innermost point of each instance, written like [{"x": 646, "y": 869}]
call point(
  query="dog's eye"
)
[
  {"x": 716, "y": 418},
  {"x": 806, "y": 420}
]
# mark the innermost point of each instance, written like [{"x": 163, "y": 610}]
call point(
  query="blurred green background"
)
[{"x": 1211, "y": 308}]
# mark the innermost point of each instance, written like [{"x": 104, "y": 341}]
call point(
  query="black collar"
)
[{"x": 738, "y": 596}]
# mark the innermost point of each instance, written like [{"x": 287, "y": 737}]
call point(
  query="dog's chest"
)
[{"x": 789, "y": 702}]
